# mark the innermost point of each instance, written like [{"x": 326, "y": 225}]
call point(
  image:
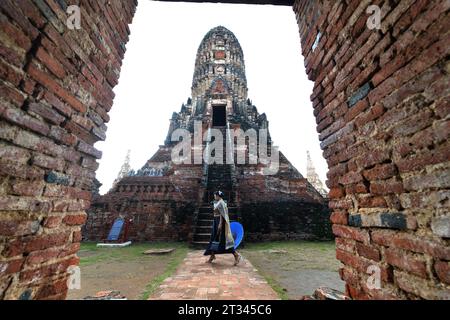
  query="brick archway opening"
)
[{"x": 380, "y": 99}]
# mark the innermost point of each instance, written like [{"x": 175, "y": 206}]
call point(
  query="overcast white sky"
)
[{"x": 157, "y": 71}]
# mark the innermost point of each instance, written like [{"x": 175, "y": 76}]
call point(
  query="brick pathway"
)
[{"x": 195, "y": 279}]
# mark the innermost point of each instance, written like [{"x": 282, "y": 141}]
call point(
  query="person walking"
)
[{"x": 222, "y": 241}]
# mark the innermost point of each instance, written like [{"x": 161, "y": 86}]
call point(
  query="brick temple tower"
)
[{"x": 170, "y": 200}]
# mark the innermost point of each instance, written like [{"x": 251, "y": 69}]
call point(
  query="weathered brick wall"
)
[
  {"x": 285, "y": 220},
  {"x": 275, "y": 209},
  {"x": 381, "y": 101},
  {"x": 161, "y": 208},
  {"x": 56, "y": 90},
  {"x": 152, "y": 220},
  {"x": 281, "y": 207}
]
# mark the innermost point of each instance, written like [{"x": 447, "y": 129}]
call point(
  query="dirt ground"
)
[
  {"x": 124, "y": 269},
  {"x": 296, "y": 268},
  {"x": 293, "y": 268}
]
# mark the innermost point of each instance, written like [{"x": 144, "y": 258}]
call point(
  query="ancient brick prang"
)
[{"x": 167, "y": 200}]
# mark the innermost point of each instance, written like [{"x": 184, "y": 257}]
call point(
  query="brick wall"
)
[
  {"x": 285, "y": 220},
  {"x": 284, "y": 206},
  {"x": 56, "y": 90},
  {"x": 161, "y": 208},
  {"x": 381, "y": 101},
  {"x": 152, "y": 220}
]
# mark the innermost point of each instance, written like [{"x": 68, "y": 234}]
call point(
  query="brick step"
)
[
  {"x": 199, "y": 244},
  {"x": 209, "y": 209},
  {"x": 202, "y": 237},
  {"x": 209, "y": 216},
  {"x": 218, "y": 186},
  {"x": 219, "y": 178},
  {"x": 218, "y": 174},
  {"x": 205, "y": 216},
  {"x": 203, "y": 229},
  {"x": 230, "y": 194},
  {"x": 204, "y": 222},
  {"x": 205, "y": 209},
  {"x": 224, "y": 169}
]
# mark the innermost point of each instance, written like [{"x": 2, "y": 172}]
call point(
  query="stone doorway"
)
[{"x": 219, "y": 117}]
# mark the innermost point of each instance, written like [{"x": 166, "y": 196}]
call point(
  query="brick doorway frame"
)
[{"x": 380, "y": 99}]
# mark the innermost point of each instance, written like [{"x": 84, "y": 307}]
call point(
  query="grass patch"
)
[
  {"x": 127, "y": 269},
  {"x": 90, "y": 254},
  {"x": 290, "y": 245},
  {"x": 176, "y": 258},
  {"x": 273, "y": 259},
  {"x": 297, "y": 254},
  {"x": 281, "y": 292}
]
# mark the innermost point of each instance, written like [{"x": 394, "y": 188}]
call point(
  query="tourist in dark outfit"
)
[{"x": 221, "y": 226}]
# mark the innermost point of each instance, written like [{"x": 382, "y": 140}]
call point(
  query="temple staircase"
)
[{"x": 216, "y": 177}]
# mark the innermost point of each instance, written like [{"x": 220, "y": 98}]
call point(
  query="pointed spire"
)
[
  {"x": 124, "y": 170},
  {"x": 313, "y": 177},
  {"x": 310, "y": 170}
]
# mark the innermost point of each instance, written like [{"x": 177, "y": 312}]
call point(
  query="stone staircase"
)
[
  {"x": 218, "y": 177},
  {"x": 203, "y": 227}
]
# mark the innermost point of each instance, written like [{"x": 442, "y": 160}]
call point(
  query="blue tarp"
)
[{"x": 115, "y": 230}]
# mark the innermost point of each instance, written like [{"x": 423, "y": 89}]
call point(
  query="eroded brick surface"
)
[
  {"x": 56, "y": 89},
  {"x": 381, "y": 102}
]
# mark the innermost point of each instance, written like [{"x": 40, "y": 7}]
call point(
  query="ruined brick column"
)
[
  {"x": 381, "y": 101},
  {"x": 56, "y": 90}
]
